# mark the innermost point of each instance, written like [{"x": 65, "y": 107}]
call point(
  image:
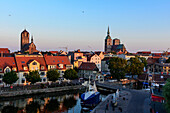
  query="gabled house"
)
[
  {"x": 7, "y": 64},
  {"x": 95, "y": 59},
  {"x": 61, "y": 63},
  {"x": 100, "y": 54},
  {"x": 87, "y": 69},
  {"x": 26, "y": 63}
]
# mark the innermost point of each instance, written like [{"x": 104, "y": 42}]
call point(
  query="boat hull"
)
[{"x": 93, "y": 100}]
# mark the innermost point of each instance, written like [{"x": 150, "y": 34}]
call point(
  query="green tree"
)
[
  {"x": 53, "y": 75},
  {"x": 10, "y": 77},
  {"x": 143, "y": 60},
  {"x": 76, "y": 69},
  {"x": 70, "y": 74},
  {"x": 117, "y": 67},
  {"x": 135, "y": 66},
  {"x": 166, "y": 94},
  {"x": 168, "y": 60},
  {"x": 33, "y": 77}
]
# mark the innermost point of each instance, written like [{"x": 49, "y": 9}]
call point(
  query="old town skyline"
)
[{"x": 78, "y": 25}]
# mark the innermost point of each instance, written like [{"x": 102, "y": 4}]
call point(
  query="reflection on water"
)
[{"x": 51, "y": 104}]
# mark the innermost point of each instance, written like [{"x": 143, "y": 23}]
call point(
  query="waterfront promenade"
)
[
  {"x": 129, "y": 101},
  {"x": 106, "y": 106}
]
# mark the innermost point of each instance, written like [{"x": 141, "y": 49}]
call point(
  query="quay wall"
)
[{"x": 39, "y": 91}]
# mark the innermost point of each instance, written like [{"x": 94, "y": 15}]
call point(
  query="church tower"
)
[
  {"x": 108, "y": 42},
  {"x": 24, "y": 38}
]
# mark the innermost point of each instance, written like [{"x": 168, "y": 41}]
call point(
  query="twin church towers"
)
[{"x": 113, "y": 45}]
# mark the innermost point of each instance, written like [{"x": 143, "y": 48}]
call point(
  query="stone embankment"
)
[{"x": 39, "y": 91}]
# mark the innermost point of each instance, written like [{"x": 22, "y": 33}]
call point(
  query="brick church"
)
[
  {"x": 113, "y": 46},
  {"x": 27, "y": 47}
]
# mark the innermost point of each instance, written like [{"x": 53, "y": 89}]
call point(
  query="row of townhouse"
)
[
  {"x": 22, "y": 64},
  {"x": 78, "y": 57}
]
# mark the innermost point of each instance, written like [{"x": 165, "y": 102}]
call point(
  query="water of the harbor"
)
[{"x": 65, "y": 102}]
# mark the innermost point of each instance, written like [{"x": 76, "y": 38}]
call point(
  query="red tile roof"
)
[
  {"x": 7, "y": 61},
  {"x": 143, "y": 52},
  {"x": 4, "y": 50},
  {"x": 54, "y": 52},
  {"x": 87, "y": 66},
  {"x": 55, "y": 60},
  {"x": 24, "y": 61},
  {"x": 152, "y": 60}
]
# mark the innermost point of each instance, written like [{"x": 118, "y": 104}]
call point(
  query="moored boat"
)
[{"x": 91, "y": 97}]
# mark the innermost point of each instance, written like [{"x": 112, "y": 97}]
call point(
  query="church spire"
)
[
  {"x": 31, "y": 39},
  {"x": 108, "y": 33}
]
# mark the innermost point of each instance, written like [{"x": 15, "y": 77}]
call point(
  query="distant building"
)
[
  {"x": 4, "y": 50},
  {"x": 87, "y": 69},
  {"x": 60, "y": 63},
  {"x": 27, "y": 63},
  {"x": 7, "y": 64},
  {"x": 25, "y": 45},
  {"x": 114, "y": 46},
  {"x": 95, "y": 59},
  {"x": 105, "y": 64}
]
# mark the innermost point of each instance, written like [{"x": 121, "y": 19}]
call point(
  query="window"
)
[
  {"x": 44, "y": 80},
  {"x": 23, "y": 80},
  {"x": 42, "y": 67},
  {"x": 22, "y": 62},
  {"x": 53, "y": 60},
  {"x": 34, "y": 63},
  {"x": 7, "y": 70},
  {"x": 25, "y": 68},
  {"x": 36, "y": 68},
  {"x": 0, "y": 69},
  {"x": 1, "y": 76}
]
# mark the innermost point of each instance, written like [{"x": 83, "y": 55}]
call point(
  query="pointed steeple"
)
[
  {"x": 31, "y": 39},
  {"x": 108, "y": 33}
]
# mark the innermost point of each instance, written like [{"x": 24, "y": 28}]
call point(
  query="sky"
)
[{"x": 82, "y": 24}]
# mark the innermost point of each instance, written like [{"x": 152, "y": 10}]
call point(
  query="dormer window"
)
[
  {"x": 14, "y": 69},
  {"x": 60, "y": 65},
  {"x": 25, "y": 68},
  {"x": 42, "y": 67},
  {"x": 7, "y": 70}
]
